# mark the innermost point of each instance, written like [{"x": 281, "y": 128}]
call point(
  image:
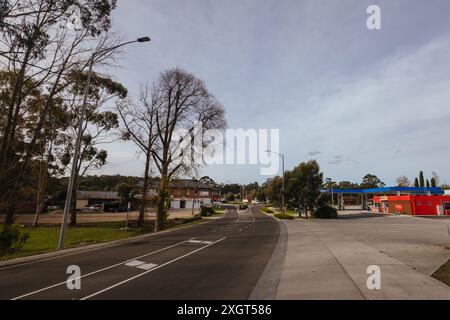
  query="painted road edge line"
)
[
  {"x": 100, "y": 270},
  {"x": 151, "y": 270}
]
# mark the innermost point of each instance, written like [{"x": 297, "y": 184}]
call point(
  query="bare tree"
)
[
  {"x": 140, "y": 127},
  {"x": 403, "y": 181},
  {"x": 184, "y": 103}
]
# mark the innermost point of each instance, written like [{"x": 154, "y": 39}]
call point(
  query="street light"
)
[
  {"x": 282, "y": 167},
  {"x": 80, "y": 134}
]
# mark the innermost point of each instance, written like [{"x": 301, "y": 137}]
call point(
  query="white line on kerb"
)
[
  {"x": 97, "y": 271},
  {"x": 151, "y": 270}
]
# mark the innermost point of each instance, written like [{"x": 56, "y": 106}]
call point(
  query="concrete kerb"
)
[
  {"x": 267, "y": 286},
  {"x": 269, "y": 215}
]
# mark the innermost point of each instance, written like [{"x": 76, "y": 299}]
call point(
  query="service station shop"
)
[{"x": 397, "y": 200}]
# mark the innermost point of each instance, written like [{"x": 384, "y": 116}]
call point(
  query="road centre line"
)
[
  {"x": 151, "y": 270},
  {"x": 100, "y": 270}
]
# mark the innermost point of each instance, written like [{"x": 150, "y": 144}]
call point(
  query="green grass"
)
[
  {"x": 284, "y": 216},
  {"x": 443, "y": 273},
  {"x": 266, "y": 210},
  {"x": 45, "y": 239},
  {"x": 218, "y": 212}
]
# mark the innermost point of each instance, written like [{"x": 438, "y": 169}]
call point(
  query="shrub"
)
[
  {"x": 243, "y": 207},
  {"x": 207, "y": 211},
  {"x": 12, "y": 240},
  {"x": 326, "y": 212},
  {"x": 283, "y": 216}
]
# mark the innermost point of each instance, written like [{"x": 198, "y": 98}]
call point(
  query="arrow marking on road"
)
[
  {"x": 100, "y": 270},
  {"x": 147, "y": 266},
  {"x": 151, "y": 270},
  {"x": 134, "y": 263}
]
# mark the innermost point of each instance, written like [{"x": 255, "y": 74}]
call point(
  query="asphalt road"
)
[{"x": 220, "y": 259}]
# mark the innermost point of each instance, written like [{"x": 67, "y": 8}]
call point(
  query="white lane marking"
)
[
  {"x": 97, "y": 271},
  {"x": 134, "y": 263},
  {"x": 146, "y": 272},
  {"x": 199, "y": 241},
  {"x": 147, "y": 266}
]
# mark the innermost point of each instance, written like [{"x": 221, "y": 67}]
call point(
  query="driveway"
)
[{"x": 328, "y": 259}]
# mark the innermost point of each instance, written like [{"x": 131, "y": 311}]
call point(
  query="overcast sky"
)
[{"x": 356, "y": 100}]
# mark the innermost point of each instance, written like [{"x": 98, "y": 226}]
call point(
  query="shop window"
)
[
  {"x": 429, "y": 203},
  {"x": 418, "y": 203}
]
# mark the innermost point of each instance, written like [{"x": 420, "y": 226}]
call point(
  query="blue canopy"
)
[{"x": 420, "y": 190}]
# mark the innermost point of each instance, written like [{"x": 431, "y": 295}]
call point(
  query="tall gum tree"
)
[
  {"x": 184, "y": 102},
  {"x": 35, "y": 45}
]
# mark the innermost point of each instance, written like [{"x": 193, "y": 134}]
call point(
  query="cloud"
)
[{"x": 312, "y": 69}]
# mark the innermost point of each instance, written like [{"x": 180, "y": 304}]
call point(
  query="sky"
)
[{"x": 357, "y": 100}]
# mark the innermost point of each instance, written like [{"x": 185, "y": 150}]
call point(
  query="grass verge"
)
[
  {"x": 443, "y": 273},
  {"x": 44, "y": 239},
  {"x": 284, "y": 216},
  {"x": 218, "y": 213},
  {"x": 267, "y": 210}
]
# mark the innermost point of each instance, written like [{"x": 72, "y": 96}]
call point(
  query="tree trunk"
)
[
  {"x": 163, "y": 197},
  {"x": 11, "y": 205},
  {"x": 144, "y": 191},
  {"x": 41, "y": 191},
  {"x": 306, "y": 211}
]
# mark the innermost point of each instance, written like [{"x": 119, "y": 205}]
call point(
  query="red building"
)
[{"x": 416, "y": 205}]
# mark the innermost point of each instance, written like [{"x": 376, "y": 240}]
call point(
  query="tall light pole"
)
[
  {"x": 282, "y": 169},
  {"x": 76, "y": 153}
]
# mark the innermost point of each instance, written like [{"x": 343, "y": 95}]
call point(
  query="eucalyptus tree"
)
[
  {"x": 38, "y": 49},
  {"x": 304, "y": 183},
  {"x": 100, "y": 123}
]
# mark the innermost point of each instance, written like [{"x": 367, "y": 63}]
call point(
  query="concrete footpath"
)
[{"x": 328, "y": 259}]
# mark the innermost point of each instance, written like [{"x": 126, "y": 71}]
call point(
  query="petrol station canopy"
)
[{"x": 387, "y": 190}]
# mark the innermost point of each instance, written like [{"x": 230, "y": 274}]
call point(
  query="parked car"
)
[{"x": 115, "y": 207}]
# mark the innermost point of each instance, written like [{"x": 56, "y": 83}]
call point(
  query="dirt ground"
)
[{"x": 55, "y": 217}]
